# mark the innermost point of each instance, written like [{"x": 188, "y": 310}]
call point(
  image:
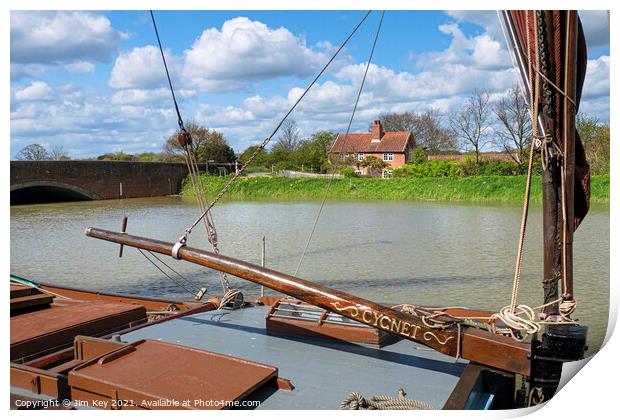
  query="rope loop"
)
[
  {"x": 519, "y": 323},
  {"x": 356, "y": 401}
]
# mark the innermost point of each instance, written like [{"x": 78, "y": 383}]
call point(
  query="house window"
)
[
  {"x": 388, "y": 157},
  {"x": 387, "y": 173},
  {"x": 358, "y": 171},
  {"x": 360, "y": 157},
  {"x": 342, "y": 156}
]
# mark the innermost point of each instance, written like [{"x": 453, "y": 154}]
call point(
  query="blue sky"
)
[{"x": 93, "y": 82}]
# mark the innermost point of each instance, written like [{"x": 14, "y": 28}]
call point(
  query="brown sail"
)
[{"x": 552, "y": 42}]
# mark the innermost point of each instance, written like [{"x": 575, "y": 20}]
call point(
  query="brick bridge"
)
[{"x": 52, "y": 181}]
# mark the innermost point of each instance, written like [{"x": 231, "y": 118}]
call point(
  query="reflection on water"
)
[{"x": 429, "y": 253}]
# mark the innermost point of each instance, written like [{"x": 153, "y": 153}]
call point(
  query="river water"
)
[{"x": 402, "y": 252}]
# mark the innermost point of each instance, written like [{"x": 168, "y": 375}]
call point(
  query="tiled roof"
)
[{"x": 392, "y": 141}]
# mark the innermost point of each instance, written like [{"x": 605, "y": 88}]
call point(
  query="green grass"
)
[{"x": 474, "y": 188}]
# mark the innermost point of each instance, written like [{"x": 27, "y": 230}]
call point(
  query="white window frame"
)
[
  {"x": 358, "y": 171},
  {"x": 388, "y": 157},
  {"x": 343, "y": 155},
  {"x": 387, "y": 173},
  {"x": 360, "y": 157}
]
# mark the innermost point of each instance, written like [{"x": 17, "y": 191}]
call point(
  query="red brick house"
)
[{"x": 393, "y": 147}]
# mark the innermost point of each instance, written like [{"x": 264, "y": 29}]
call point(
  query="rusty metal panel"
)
[
  {"x": 39, "y": 381},
  {"x": 31, "y": 302},
  {"x": 86, "y": 348},
  {"x": 18, "y": 290},
  {"x": 158, "y": 375},
  {"x": 293, "y": 317},
  {"x": 41, "y": 332}
]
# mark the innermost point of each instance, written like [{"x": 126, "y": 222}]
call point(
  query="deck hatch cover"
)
[
  {"x": 44, "y": 331},
  {"x": 157, "y": 375}
]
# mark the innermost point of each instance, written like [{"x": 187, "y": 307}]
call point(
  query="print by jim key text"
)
[{"x": 117, "y": 404}]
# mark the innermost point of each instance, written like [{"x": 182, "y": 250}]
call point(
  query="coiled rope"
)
[{"x": 356, "y": 401}]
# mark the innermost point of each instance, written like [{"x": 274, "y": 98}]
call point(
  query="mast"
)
[
  {"x": 552, "y": 43},
  {"x": 551, "y": 171}
]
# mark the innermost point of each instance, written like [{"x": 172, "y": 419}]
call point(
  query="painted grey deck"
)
[{"x": 323, "y": 371}]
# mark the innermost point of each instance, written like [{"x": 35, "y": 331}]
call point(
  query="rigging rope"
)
[
  {"x": 176, "y": 105},
  {"x": 331, "y": 178},
  {"x": 185, "y": 140},
  {"x": 183, "y": 239},
  {"x": 166, "y": 274}
]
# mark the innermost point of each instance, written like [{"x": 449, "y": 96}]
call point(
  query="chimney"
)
[{"x": 376, "y": 131}]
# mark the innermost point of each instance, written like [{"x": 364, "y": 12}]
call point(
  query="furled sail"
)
[{"x": 542, "y": 36}]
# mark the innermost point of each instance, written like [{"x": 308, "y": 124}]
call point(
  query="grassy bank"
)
[{"x": 474, "y": 188}]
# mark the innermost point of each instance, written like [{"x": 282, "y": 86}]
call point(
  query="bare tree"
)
[
  {"x": 427, "y": 129},
  {"x": 515, "y": 135},
  {"x": 287, "y": 142},
  {"x": 399, "y": 121},
  {"x": 471, "y": 124},
  {"x": 32, "y": 152},
  {"x": 431, "y": 133},
  {"x": 58, "y": 153}
]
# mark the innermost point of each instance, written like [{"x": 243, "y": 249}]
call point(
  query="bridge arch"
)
[{"x": 36, "y": 192}]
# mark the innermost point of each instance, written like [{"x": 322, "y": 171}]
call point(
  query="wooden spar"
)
[
  {"x": 568, "y": 120},
  {"x": 470, "y": 343}
]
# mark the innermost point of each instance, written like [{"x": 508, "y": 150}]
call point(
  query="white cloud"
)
[
  {"x": 19, "y": 71},
  {"x": 61, "y": 37},
  {"x": 245, "y": 51},
  {"x": 80, "y": 67},
  {"x": 486, "y": 19},
  {"x": 36, "y": 91},
  {"x": 479, "y": 52},
  {"x": 89, "y": 124},
  {"x": 141, "y": 68},
  {"x": 596, "y": 84},
  {"x": 227, "y": 116},
  {"x": 148, "y": 96}
]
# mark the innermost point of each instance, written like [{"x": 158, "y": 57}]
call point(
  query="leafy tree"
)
[
  {"x": 515, "y": 135},
  {"x": 374, "y": 164},
  {"x": 118, "y": 156},
  {"x": 262, "y": 159},
  {"x": 149, "y": 157},
  {"x": 32, "y": 152},
  {"x": 596, "y": 142},
  {"x": 471, "y": 124},
  {"x": 312, "y": 152},
  {"x": 206, "y": 145},
  {"x": 419, "y": 155}
]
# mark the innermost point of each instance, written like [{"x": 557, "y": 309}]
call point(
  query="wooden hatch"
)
[
  {"x": 151, "y": 374},
  {"x": 293, "y": 317}
]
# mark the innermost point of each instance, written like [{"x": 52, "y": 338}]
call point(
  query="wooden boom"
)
[{"x": 469, "y": 343}]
